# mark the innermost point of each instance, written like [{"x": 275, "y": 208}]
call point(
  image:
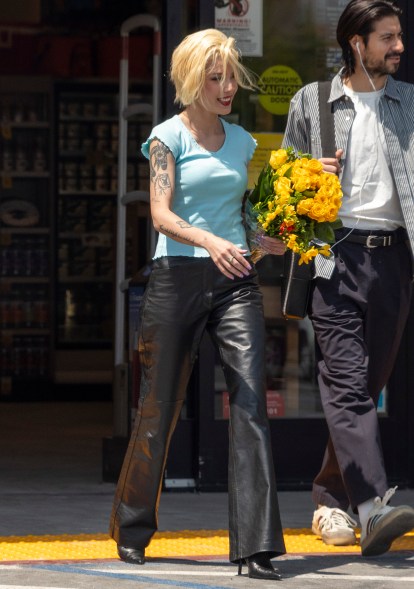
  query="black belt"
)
[{"x": 370, "y": 239}]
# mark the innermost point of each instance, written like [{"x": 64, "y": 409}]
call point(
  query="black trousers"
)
[
  {"x": 184, "y": 297},
  {"x": 358, "y": 318}
]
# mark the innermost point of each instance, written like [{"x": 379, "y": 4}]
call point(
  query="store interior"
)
[{"x": 59, "y": 116}]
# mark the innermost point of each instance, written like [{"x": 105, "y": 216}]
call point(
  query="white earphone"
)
[{"x": 363, "y": 67}]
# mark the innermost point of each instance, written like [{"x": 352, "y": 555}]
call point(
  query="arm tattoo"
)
[
  {"x": 158, "y": 165},
  {"x": 158, "y": 158},
  {"x": 175, "y": 234},
  {"x": 184, "y": 225}
]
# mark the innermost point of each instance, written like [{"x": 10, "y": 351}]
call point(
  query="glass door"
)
[{"x": 303, "y": 50}]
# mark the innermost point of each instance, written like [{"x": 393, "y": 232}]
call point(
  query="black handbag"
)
[
  {"x": 297, "y": 280},
  {"x": 296, "y": 286}
]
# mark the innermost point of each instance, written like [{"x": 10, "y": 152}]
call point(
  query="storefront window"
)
[
  {"x": 291, "y": 387},
  {"x": 298, "y": 40}
]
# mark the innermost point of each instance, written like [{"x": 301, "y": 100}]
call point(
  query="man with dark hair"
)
[{"x": 359, "y": 314}]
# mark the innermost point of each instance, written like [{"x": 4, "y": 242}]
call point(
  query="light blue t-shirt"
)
[{"x": 209, "y": 186}]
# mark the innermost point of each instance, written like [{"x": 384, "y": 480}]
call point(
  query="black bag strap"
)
[{"x": 326, "y": 118}]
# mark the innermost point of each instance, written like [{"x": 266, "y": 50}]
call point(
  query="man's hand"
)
[{"x": 331, "y": 164}]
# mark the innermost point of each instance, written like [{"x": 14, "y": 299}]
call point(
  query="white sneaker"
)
[
  {"x": 385, "y": 524},
  {"x": 334, "y": 526}
]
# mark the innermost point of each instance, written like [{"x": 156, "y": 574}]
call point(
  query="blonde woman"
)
[{"x": 202, "y": 280}]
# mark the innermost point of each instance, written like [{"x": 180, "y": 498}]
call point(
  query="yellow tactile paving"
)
[{"x": 164, "y": 544}]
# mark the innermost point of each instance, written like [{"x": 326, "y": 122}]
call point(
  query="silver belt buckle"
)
[
  {"x": 369, "y": 238},
  {"x": 386, "y": 240}
]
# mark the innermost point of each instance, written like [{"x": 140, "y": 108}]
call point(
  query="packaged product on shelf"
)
[
  {"x": 21, "y": 159},
  {"x": 39, "y": 157},
  {"x": 89, "y": 109},
  {"x": 40, "y": 309},
  {"x": 73, "y": 224},
  {"x": 86, "y": 177},
  {"x": 73, "y": 108},
  {"x": 102, "y": 178},
  {"x": 73, "y": 136}
]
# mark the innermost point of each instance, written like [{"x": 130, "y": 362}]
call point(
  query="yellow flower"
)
[
  {"x": 295, "y": 248},
  {"x": 307, "y": 256},
  {"x": 289, "y": 222},
  {"x": 282, "y": 184},
  {"x": 289, "y": 210},
  {"x": 283, "y": 198},
  {"x": 278, "y": 158},
  {"x": 314, "y": 166},
  {"x": 332, "y": 214},
  {"x": 325, "y": 250},
  {"x": 304, "y": 206},
  {"x": 283, "y": 169},
  {"x": 318, "y": 212},
  {"x": 298, "y": 163},
  {"x": 322, "y": 197},
  {"x": 302, "y": 180},
  {"x": 327, "y": 191},
  {"x": 336, "y": 201},
  {"x": 291, "y": 241},
  {"x": 301, "y": 184}
]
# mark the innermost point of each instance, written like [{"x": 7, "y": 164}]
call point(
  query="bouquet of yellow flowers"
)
[{"x": 297, "y": 202}]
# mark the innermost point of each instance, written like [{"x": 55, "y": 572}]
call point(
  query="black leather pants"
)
[{"x": 184, "y": 297}]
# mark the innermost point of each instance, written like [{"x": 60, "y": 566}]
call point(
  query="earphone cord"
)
[
  {"x": 346, "y": 235},
  {"x": 380, "y": 108},
  {"x": 364, "y": 68}
]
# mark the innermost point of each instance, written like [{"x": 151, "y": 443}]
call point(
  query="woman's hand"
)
[
  {"x": 228, "y": 258},
  {"x": 331, "y": 164},
  {"x": 272, "y": 245}
]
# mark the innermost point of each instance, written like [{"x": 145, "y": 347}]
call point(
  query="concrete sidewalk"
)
[
  {"x": 51, "y": 498},
  {"x": 80, "y": 520}
]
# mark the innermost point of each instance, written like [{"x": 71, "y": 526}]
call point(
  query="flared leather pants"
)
[{"x": 184, "y": 297}]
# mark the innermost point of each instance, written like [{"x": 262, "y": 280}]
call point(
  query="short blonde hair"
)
[{"x": 196, "y": 55}]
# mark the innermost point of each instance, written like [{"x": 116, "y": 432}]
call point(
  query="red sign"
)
[{"x": 274, "y": 401}]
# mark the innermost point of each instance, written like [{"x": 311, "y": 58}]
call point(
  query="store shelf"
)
[
  {"x": 26, "y": 215},
  {"x": 25, "y": 125},
  {"x": 92, "y": 193},
  {"x": 87, "y": 157},
  {"x": 25, "y": 230},
  {"x": 25, "y": 175},
  {"x": 31, "y": 332},
  {"x": 58, "y": 172},
  {"x": 84, "y": 279},
  {"x": 26, "y": 279},
  {"x": 89, "y": 119}
]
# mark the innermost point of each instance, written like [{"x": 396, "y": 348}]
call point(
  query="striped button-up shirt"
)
[{"x": 396, "y": 110}]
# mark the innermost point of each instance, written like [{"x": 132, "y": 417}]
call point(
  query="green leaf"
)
[
  {"x": 254, "y": 196},
  {"x": 324, "y": 232},
  {"x": 266, "y": 186},
  {"x": 288, "y": 172},
  {"x": 337, "y": 224}
]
